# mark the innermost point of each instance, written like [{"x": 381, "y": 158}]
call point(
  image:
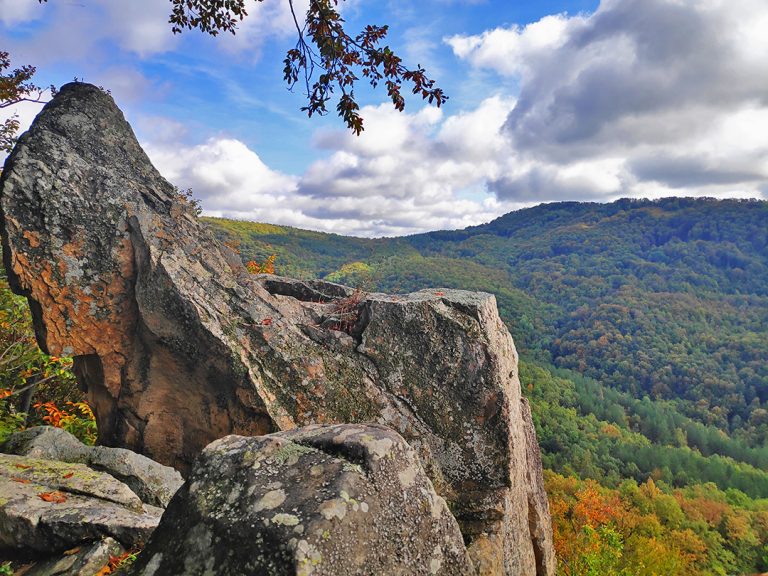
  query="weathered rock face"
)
[
  {"x": 48, "y": 506},
  {"x": 153, "y": 483},
  {"x": 324, "y": 500},
  {"x": 177, "y": 345}
]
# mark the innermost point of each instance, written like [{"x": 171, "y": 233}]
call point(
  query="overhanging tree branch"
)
[{"x": 322, "y": 44}]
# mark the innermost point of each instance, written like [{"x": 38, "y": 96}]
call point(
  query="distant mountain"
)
[{"x": 651, "y": 316}]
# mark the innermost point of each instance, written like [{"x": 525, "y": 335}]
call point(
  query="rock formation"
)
[
  {"x": 68, "y": 507},
  {"x": 335, "y": 500},
  {"x": 153, "y": 483},
  {"x": 178, "y": 345},
  {"x": 48, "y": 506}
]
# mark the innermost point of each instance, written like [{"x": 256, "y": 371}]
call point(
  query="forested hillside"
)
[{"x": 643, "y": 332}]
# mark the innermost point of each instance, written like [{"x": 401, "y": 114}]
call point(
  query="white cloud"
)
[
  {"x": 671, "y": 92},
  {"x": 411, "y": 172},
  {"x": 266, "y": 20},
  {"x": 140, "y": 26},
  {"x": 24, "y": 112},
  {"x": 19, "y": 11},
  {"x": 407, "y": 173},
  {"x": 224, "y": 174},
  {"x": 73, "y": 30},
  {"x": 512, "y": 50}
]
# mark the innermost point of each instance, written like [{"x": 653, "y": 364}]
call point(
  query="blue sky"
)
[{"x": 566, "y": 100}]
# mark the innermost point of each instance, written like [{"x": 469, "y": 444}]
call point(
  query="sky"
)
[{"x": 550, "y": 100}]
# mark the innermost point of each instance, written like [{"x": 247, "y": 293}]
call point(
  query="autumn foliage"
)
[
  {"x": 326, "y": 59},
  {"x": 36, "y": 388},
  {"x": 653, "y": 530},
  {"x": 77, "y": 419},
  {"x": 266, "y": 267}
]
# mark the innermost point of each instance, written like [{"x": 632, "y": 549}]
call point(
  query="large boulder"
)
[
  {"x": 178, "y": 345},
  {"x": 324, "y": 500}
]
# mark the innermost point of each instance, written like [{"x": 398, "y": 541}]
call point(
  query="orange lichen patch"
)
[
  {"x": 32, "y": 237},
  {"x": 490, "y": 409},
  {"x": 68, "y": 309},
  {"x": 162, "y": 234},
  {"x": 74, "y": 249},
  {"x": 314, "y": 368}
]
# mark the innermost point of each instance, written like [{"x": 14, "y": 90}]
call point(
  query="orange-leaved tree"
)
[{"x": 266, "y": 267}]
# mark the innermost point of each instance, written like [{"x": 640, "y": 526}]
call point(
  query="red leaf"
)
[
  {"x": 53, "y": 497},
  {"x": 68, "y": 475},
  {"x": 266, "y": 322}
]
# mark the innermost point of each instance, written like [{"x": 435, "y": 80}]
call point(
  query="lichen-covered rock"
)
[
  {"x": 178, "y": 345},
  {"x": 48, "y": 506},
  {"x": 152, "y": 482},
  {"x": 337, "y": 500}
]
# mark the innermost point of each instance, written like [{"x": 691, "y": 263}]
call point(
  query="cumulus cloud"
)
[
  {"x": 411, "y": 172},
  {"x": 407, "y": 173},
  {"x": 665, "y": 91},
  {"x": 16, "y": 12},
  {"x": 225, "y": 175}
]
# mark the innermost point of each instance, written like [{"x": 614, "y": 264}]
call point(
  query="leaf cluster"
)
[
  {"x": 326, "y": 59},
  {"x": 16, "y": 86}
]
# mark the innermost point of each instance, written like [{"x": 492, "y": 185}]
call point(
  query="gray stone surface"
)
[
  {"x": 178, "y": 345},
  {"x": 48, "y": 506},
  {"x": 86, "y": 561},
  {"x": 337, "y": 500},
  {"x": 152, "y": 482}
]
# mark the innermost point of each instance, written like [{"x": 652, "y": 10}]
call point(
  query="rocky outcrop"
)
[
  {"x": 48, "y": 507},
  {"x": 153, "y": 483},
  {"x": 178, "y": 345},
  {"x": 69, "y": 507},
  {"x": 323, "y": 500}
]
